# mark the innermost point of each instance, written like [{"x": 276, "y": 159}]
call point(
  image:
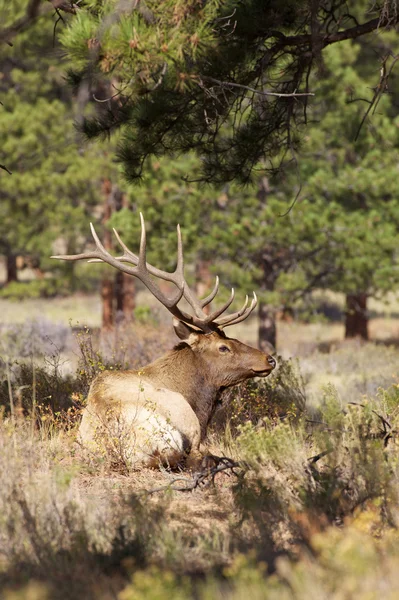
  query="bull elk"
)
[{"x": 163, "y": 410}]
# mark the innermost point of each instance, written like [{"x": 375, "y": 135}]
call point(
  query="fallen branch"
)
[{"x": 203, "y": 478}]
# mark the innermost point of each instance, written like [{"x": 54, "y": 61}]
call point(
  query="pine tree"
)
[
  {"x": 228, "y": 79},
  {"x": 54, "y": 181},
  {"x": 341, "y": 234}
]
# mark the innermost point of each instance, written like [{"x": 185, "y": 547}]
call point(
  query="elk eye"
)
[{"x": 224, "y": 349}]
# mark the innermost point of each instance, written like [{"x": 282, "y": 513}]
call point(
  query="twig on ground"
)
[
  {"x": 313, "y": 459},
  {"x": 205, "y": 477}
]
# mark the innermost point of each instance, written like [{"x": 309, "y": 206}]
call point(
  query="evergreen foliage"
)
[
  {"x": 227, "y": 79},
  {"x": 55, "y": 180}
]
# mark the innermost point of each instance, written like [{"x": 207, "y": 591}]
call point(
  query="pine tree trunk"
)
[
  {"x": 125, "y": 295},
  {"x": 356, "y": 318},
  {"x": 11, "y": 267},
  {"x": 267, "y": 336},
  {"x": 267, "y": 327},
  {"x": 107, "y": 296},
  {"x": 119, "y": 295}
]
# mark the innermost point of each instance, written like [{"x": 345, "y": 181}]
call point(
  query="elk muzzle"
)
[{"x": 263, "y": 370}]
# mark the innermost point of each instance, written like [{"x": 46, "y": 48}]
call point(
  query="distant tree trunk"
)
[
  {"x": 129, "y": 296},
  {"x": 125, "y": 287},
  {"x": 267, "y": 328},
  {"x": 203, "y": 281},
  {"x": 11, "y": 267},
  {"x": 267, "y": 334},
  {"x": 107, "y": 296},
  {"x": 107, "y": 287},
  {"x": 125, "y": 294},
  {"x": 356, "y": 318},
  {"x": 36, "y": 268}
]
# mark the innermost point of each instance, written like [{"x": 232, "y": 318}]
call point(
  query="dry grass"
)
[
  {"x": 79, "y": 528},
  {"x": 73, "y": 528}
]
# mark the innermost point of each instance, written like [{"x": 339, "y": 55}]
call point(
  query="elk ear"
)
[{"x": 183, "y": 331}]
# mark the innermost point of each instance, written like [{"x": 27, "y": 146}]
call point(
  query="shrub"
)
[
  {"x": 33, "y": 338},
  {"x": 327, "y": 468},
  {"x": 126, "y": 346},
  {"x": 282, "y": 395},
  {"x": 36, "y": 288},
  {"x": 40, "y": 391},
  {"x": 54, "y": 534}
]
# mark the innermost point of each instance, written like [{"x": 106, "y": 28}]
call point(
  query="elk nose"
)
[{"x": 271, "y": 361}]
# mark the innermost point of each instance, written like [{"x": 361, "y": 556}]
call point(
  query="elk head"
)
[{"x": 226, "y": 360}]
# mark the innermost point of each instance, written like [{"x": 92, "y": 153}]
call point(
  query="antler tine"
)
[
  {"x": 180, "y": 257},
  {"x": 93, "y": 256},
  {"x": 143, "y": 245},
  {"x": 240, "y": 315},
  {"x": 97, "y": 241},
  {"x": 212, "y": 317},
  {"x": 127, "y": 254},
  {"x": 143, "y": 271},
  {"x": 233, "y": 316},
  {"x": 208, "y": 299}
]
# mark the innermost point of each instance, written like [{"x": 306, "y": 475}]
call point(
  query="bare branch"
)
[
  {"x": 260, "y": 92},
  {"x": 34, "y": 10},
  {"x": 211, "y": 466},
  {"x": 5, "y": 169},
  {"x": 339, "y": 36},
  {"x": 380, "y": 89}
]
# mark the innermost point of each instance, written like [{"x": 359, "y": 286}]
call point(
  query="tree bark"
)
[
  {"x": 107, "y": 296},
  {"x": 125, "y": 295},
  {"x": 267, "y": 334},
  {"x": 267, "y": 328},
  {"x": 11, "y": 268},
  {"x": 356, "y": 317}
]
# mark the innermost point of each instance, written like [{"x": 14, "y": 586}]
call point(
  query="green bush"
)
[
  {"x": 40, "y": 392},
  {"x": 36, "y": 288},
  {"x": 329, "y": 466},
  {"x": 281, "y": 396}
]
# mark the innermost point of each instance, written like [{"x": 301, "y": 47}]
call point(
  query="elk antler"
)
[{"x": 143, "y": 271}]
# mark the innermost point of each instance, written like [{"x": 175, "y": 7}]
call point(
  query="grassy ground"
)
[
  {"x": 78, "y": 309},
  {"x": 311, "y": 510}
]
